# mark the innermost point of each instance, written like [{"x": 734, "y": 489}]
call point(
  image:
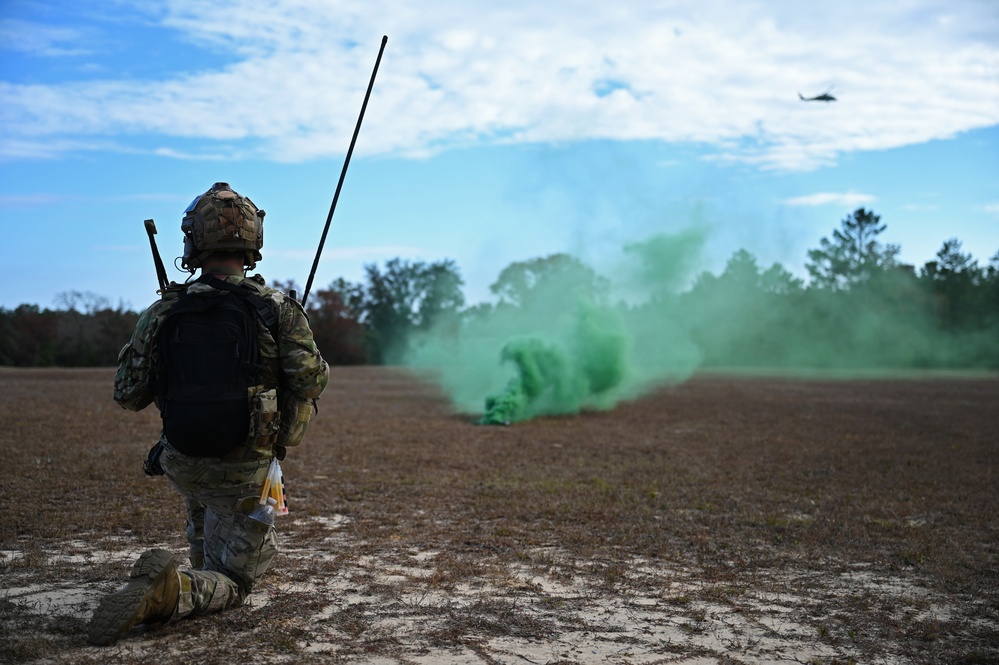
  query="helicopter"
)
[{"x": 824, "y": 97}]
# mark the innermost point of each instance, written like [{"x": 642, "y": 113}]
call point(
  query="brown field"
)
[{"x": 731, "y": 519}]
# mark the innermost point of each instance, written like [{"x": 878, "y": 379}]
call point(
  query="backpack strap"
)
[{"x": 258, "y": 304}]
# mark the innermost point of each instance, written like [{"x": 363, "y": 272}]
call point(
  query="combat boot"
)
[{"x": 152, "y": 593}]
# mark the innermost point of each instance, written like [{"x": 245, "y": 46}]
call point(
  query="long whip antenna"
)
[{"x": 343, "y": 173}]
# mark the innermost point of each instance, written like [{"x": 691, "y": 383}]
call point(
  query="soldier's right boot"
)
[{"x": 151, "y": 595}]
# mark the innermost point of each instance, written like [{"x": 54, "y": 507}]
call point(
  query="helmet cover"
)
[{"x": 220, "y": 220}]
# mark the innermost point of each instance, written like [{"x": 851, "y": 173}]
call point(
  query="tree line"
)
[
  {"x": 860, "y": 307},
  {"x": 85, "y": 331}
]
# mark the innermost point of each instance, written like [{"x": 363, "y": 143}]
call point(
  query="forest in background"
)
[{"x": 859, "y": 308}]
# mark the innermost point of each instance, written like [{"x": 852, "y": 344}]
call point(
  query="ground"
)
[{"x": 733, "y": 518}]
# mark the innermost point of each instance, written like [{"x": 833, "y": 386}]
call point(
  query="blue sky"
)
[{"x": 496, "y": 132}]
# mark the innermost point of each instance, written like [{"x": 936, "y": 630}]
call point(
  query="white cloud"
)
[
  {"x": 721, "y": 73},
  {"x": 29, "y": 200},
  {"x": 830, "y": 198},
  {"x": 48, "y": 199},
  {"x": 921, "y": 207},
  {"x": 40, "y": 39}
]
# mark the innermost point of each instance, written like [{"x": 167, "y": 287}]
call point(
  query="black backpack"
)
[{"x": 208, "y": 359}]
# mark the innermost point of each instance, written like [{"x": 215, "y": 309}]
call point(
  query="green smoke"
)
[
  {"x": 552, "y": 378},
  {"x": 563, "y": 339},
  {"x": 557, "y": 344}
]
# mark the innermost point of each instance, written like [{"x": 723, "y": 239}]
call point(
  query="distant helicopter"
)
[{"x": 824, "y": 97}]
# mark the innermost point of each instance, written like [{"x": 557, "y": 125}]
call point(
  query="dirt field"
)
[{"x": 730, "y": 519}]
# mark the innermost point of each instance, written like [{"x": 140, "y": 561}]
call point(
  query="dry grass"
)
[{"x": 730, "y": 519}]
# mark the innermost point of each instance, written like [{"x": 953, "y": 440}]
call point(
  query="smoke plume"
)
[{"x": 561, "y": 341}]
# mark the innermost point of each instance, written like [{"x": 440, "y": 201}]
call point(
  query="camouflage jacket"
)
[{"x": 294, "y": 373}]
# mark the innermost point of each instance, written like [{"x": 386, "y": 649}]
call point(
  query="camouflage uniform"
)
[{"x": 229, "y": 551}]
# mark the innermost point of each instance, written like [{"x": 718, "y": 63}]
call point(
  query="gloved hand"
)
[
  {"x": 280, "y": 452},
  {"x": 151, "y": 466}
]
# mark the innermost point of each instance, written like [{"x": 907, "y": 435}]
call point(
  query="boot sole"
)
[{"x": 120, "y": 611}]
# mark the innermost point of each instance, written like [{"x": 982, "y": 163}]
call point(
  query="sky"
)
[{"x": 496, "y": 132}]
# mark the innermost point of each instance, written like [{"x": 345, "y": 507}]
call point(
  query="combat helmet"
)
[{"x": 220, "y": 220}]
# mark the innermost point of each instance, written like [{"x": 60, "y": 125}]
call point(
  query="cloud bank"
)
[
  {"x": 842, "y": 199},
  {"x": 717, "y": 73}
]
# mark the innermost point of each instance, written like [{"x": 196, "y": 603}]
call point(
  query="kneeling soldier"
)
[{"x": 233, "y": 369}]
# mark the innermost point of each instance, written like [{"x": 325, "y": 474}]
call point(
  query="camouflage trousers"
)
[{"x": 229, "y": 551}]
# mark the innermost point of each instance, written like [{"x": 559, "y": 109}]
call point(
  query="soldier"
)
[{"x": 233, "y": 368}]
